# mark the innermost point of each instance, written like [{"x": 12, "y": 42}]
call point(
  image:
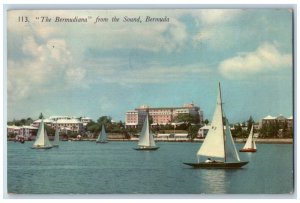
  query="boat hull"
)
[
  {"x": 101, "y": 142},
  {"x": 247, "y": 150},
  {"x": 217, "y": 164},
  {"x": 146, "y": 148},
  {"x": 42, "y": 147}
]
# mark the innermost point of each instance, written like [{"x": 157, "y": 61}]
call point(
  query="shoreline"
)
[{"x": 237, "y": 140}]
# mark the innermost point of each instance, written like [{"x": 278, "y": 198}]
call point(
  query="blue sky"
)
[{"x": 87, "y": 69}]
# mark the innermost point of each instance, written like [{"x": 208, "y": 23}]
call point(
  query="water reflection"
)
[{"x": 214, "y": 181}]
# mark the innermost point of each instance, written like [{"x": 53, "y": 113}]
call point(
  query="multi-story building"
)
[
  {"x": 85, "y": 120},
  {"x": 23, "y": 131},
  {"x": 281, "y": 120},
  {"x": 64, "y": 123},
  {"x": 160, "y": 115}
]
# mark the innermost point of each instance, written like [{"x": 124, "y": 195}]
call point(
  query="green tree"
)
[
  {"x": 250, "y": 122},
  {"x": 41, "y": 116},
  {"x": 104, "y": 120},
  {"x": 193, "y": 131},
  {"x": 187, "y": 118},
  {"x": 205, "y": 121},
  {"x": 93, "y": 127}
]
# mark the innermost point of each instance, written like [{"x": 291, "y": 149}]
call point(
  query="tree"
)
[
  {"x": 93, "y": 127},
  {"x": 187, "y": 118},
  {"x": 193, "y": 131},
  {"x": 250, "y": 122},
  {"x": 205, "y": 121},
  {"x": 41, "y": 116},
  {"x": 104, "y": 120}
]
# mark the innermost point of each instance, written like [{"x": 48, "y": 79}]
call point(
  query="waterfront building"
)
[
  {"x": 85, "y": 120},
  {"x": 280, "y": 120},
  {"x": 160, "y": 115},
  {"x": 202, "y": 132},
  {"x": 22, "y": 131},
  {"x": 69, "y": 125},
  {"x": 64, "y": 123}
]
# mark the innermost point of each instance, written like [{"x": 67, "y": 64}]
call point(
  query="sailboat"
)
[
  {"x": 56, "y": 138},
  {"x": 218, "y": 144},
  {"x": 146, "y": 140},
  {"x": 250, "y": 145},
  {"x": 42, "y": 140},
  {"x": 102, "y": 138}
]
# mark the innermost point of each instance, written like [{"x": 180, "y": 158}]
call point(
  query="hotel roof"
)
[{"x": 269, "y": 118}]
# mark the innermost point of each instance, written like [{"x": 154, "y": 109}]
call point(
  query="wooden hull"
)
[
  {"x": 55, "y": 145},
  {"x": 217, "y": 165},
  {"x": 42, "y": 147},
  {"x": 247, "y": 150},
  {"x": 146, "y": 148}
]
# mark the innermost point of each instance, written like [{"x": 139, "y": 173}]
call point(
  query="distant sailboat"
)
[
  {"x": 56, "y": 138},
  {"x": 42, "y": 140},
  {"x": 250, "y": 145},
  {"x": 218, "y": 144},
  {"x": 102, "y": 138},
  {"x": 146, "y": 140}
]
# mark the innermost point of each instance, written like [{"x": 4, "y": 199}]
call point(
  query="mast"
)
[{"x": 222, "y": 121}]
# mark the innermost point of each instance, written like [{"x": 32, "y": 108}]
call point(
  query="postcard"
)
[{"x": 150, "y": 101}]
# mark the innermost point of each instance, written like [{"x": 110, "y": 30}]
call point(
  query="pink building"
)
[{"x": 160, "y": 115}]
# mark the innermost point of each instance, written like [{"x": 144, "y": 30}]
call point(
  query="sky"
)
[{"x": 107, "y": 68}]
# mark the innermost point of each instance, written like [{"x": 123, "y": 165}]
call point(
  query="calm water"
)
[{"x": 115, "y": 168}]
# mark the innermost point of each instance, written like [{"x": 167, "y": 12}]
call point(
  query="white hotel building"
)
[{"x": 65, "y": 123}]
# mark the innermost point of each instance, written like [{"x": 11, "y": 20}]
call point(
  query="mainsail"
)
[
  {"x": 250, "y": 144},
  {"x": 102, "y": 136},
  {"x": 42, "y": 138},
  {"x": 213, "y": 145},
  {"x": 218, "y": 144},
  {"x": 56, "y": 137},
  {"x": 230, "y": 149},
  {"x": 146, "y": 139}
]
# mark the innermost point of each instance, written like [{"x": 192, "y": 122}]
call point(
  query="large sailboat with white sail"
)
[
  {"x": 218, "y": 147},
  {"x": 42, "y": 140},
  {"x": 146, "y": 140}
]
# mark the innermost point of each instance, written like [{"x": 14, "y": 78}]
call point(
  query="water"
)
[{"x": 115, "y": 168}]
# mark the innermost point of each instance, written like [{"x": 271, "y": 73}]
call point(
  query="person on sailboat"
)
[{"x": 208, "y": 160}]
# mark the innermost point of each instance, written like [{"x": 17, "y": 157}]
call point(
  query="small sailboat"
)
[
  {"x": 56, "y": 138},
  {"x": 146, "y": 140},
  {"x": 42, "y": 140},
  {"x": 218, "y": 144},
  {"x": 102, "y": 138},
  {"x": 250, "y": 145}
]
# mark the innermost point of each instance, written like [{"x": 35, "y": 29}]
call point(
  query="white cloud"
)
[
  {"x": 75, "y": 76},
  {"x": 42, "y": 69},
  {"x": 151, "y": 74},
  {"x": 265, "y": 58},
  {"x": 217, "y": 16}
]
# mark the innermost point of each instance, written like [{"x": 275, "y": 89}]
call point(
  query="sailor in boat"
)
[{"x": 208, "y": 160}]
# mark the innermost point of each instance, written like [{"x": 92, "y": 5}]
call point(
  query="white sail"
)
[
  {"x": 250, "y": 144},
  {"x": 213, "y": 145},
  {"x": 56, "y": 137},
  {"x": 42, "y": 138},
  {"x": 102, "y": 135},
  {"x": 146, "y": 138},
  {"x": 230, "y": 149}
]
